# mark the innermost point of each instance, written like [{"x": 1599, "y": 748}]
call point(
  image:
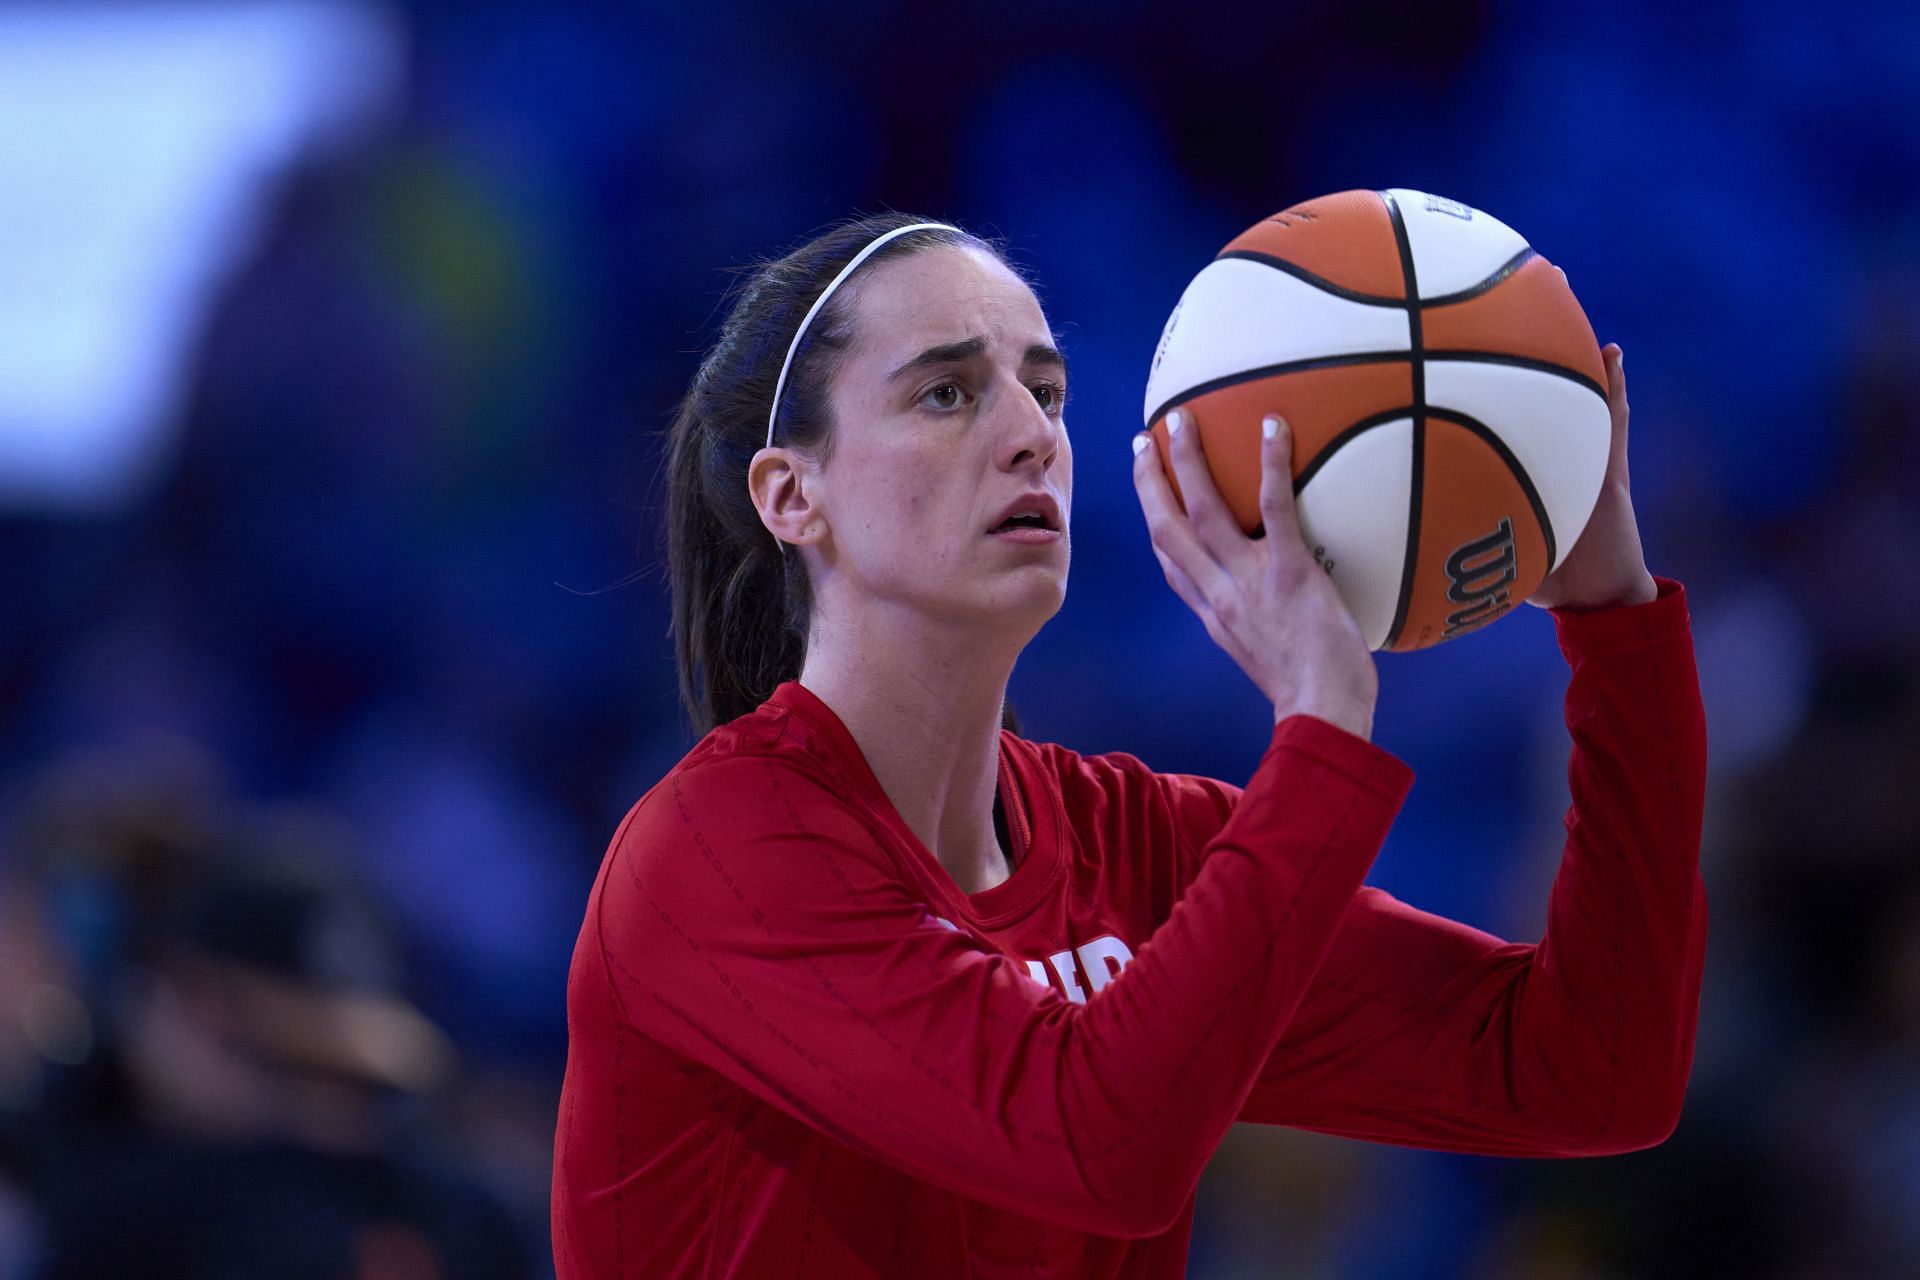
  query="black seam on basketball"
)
[
  {"x": 1419, "y": 419},
  {"x": 1305, "y": 276},
  {"x": 1505, "y": 454},
  {"x": 1271, "y": 370},
  {"x": 1513, "y": 264},
  {"x": 1519, "y": 362},
  {"x": 1343, "y": 437}
]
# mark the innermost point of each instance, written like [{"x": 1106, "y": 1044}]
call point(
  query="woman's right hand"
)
[{"x": 1265, "y": 601}]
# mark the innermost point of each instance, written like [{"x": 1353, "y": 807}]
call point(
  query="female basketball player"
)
[{"x": 871, "y": 986}]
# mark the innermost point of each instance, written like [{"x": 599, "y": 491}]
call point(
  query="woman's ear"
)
[{"x": 784, "y": 486}]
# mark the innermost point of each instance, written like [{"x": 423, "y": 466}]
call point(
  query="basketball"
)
[{"x": 1446, "y": 395}]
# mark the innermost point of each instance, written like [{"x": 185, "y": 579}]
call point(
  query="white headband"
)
[{"x": 773, "y": 413}]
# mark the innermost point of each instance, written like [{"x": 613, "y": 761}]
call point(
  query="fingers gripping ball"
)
[{"x": 1446, "y": 394}]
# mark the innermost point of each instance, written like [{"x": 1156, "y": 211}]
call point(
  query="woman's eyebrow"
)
[
  {"x": 967, "y": 349},
  {"x": 1047, "y": 354},
  {"x": 951, "y": 353}
]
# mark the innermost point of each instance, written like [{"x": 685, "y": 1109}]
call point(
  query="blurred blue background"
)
[{"x": 337, "y": 344}]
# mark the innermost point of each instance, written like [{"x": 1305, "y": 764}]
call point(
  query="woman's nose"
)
[{"x": 1032, "y": 435}]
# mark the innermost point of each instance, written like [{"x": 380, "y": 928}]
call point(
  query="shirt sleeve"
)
[
  {"x": 751, "y": 920},
  {"x": 1424, "y": 1032}
]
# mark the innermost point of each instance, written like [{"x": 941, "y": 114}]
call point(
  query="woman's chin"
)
[{"x": 1034, "y": 593}]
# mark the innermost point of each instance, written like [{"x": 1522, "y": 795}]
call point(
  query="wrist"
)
[
  {"x": 1349, "y": 717},
  {"x": 1641, "y": 590}
]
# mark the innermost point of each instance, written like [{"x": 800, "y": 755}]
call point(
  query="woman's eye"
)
[{"x": 944, "y": 396}]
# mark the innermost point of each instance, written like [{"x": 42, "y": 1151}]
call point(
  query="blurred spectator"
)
[{"x": 240, "y": 1093}]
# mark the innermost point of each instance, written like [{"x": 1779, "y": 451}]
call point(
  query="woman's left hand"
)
[{"x": 1606, "y": 566}]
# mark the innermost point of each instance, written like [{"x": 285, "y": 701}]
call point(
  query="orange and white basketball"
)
[{"x": 1446, "y": 395}]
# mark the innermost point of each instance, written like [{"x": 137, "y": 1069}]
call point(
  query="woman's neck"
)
[{"x": 929, "y": 727}]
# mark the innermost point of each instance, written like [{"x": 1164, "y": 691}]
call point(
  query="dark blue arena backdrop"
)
[{"x": 336, "y": 346}]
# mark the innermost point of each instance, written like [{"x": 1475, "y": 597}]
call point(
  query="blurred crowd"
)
[
  {"x": 210, "y": 1067},
  {"x": 309, "y": 749}
]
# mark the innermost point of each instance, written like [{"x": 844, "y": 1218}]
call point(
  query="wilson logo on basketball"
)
[{"x": 1478, "y": 575}]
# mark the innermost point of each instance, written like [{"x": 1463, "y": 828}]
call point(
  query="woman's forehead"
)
[{"x": 943, "y": 296}]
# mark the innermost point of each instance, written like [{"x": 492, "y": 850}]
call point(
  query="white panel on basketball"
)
[
  {"x": 1356, "y": 506},
  {"x": 1557, "y": 429},
  {"x": 1239, "y": 315},
  {"x": 1454, "y": 247}
]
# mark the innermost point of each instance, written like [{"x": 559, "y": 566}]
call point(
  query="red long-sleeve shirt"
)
[{"x": 798, "y": 1050}]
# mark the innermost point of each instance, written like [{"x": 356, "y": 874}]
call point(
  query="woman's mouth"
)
[{"x": 1035, "y": 535}]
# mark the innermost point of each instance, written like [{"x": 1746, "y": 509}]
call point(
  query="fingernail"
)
[
  {"x": 1269, "y": 426},
  {"x": 1620, "y": 358},
  {"x": 1139, "y": 444},
  {"x": 1176, "y": 420}
]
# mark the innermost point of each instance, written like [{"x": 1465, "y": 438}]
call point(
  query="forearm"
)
[
  {"x": 1175, "y": 1043},
  {"x": 1618, "y": 974}
]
